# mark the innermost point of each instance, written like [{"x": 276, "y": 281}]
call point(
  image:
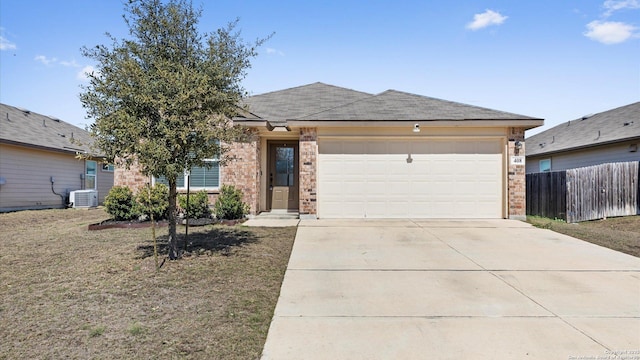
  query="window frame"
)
[
  {"x": 198, "y": 188},
  {"x": 87, "y": 175},
  {"x": 544, "y": 161}
]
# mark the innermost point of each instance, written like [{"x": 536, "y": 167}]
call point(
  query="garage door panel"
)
[{"x": 443, "y": 179}]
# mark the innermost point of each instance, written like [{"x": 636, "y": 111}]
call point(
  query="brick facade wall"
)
[
  {"x": 243, "y": 171},
  {"x": 132, "y": 178},
  {"x": 308, "y": 172},
  {"x": 516, "y": 177}
]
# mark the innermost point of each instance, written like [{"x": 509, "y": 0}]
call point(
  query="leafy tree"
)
[{"x": 163, "y": 97}]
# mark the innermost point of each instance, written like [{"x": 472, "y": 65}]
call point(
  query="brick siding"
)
[
  {"x": 516, "y": 177},
  {"x": 132, "y": 178},
  {"x": 308, "y": 171},
  {"x": 243, "y": 171}
]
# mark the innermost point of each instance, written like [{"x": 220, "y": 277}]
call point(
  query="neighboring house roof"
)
[
  {"x": 616, "y": 125},
  {"x": 26, "y": 128},
  {"x": 322, "y": 102}
]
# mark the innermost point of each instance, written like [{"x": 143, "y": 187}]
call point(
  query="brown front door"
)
[{"x": 283, "y": 175}]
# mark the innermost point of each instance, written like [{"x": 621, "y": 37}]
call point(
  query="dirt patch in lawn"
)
[
  {"x": 66, "y": 292},
  {"x": 621, "y": 234}
]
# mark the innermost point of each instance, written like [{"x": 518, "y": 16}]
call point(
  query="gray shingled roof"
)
[
  {"x": 278, "y": 106},
  {"x": 322, "y": 102},
  {"x": 23, "y": 127},
  {"x": 619, "y": 124},
  {"x": 397, "y": 105}
]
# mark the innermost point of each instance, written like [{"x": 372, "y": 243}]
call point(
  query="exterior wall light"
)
[{"x": 416, "y": 128}]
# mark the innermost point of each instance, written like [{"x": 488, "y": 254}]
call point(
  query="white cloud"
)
[
  {"x": 614, "y": 5},
  {"x": 45, "y": 60},
  {"x": 5, "y": 44},
  {"x": 485, "y": 19},
  {"x": 71, "y": 63},
  {"x": 272, "y": 51},
  {"x": 609, "y": 32},
  {"x": 83, "y": 75}
]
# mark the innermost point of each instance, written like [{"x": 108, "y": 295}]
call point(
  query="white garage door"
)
[{"x": 410, "y": 178}]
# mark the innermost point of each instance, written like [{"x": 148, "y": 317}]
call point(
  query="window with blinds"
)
[{"x": 200, "y": 177}]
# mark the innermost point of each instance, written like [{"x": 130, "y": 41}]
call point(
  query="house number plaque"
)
[{"x": 517, "y": 160}]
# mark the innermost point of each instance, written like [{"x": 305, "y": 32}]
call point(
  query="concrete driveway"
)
[{"x": 431, "y": 289}]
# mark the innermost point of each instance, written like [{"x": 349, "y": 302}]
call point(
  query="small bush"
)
[
  {"x": 229, "y": 205},
  {"x": 157, "y": 203},
  {"x": 198, "y": 205},
  {"x": 120, "y": 204}
]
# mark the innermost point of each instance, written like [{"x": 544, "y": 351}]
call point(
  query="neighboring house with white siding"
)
[
  {"x": 39, "y": 165},
  {"x": 606, "y": 137}
]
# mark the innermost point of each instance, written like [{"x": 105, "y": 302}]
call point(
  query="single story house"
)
[
  {"x": 324, "y": 151},
  {"x": 606, "y": 137},
  {"x": 38, "y": 163}
]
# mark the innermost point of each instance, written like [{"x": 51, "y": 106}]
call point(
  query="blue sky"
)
[{"x": 557, "y": 60}]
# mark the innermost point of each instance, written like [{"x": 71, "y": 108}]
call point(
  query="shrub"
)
[
  {"x": 158, "y": 203},
  {"x": 229, "y": 205},
  {"x": 198, "y": 205},
  {"x": 120, "y": 204}
]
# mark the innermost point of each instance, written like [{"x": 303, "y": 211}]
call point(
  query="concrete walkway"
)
[
  {"x": 261, "y": 222},
  {"x": 476, "y": 289}
]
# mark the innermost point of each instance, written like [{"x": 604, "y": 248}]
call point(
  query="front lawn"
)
[
  {"x": 621, "y": 233},
  {"x": 66, "y": 292}
]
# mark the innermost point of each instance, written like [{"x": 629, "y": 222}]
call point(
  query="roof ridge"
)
[
  {"x": 419, "y": 96},
  {"x": 336, "y": 107},
  {"x": 589, "y": 116},
  {"x": 614, "y": 125},
  {"x": 309, "y": 85},
  {"x": 31, "y": 128},
  {"x": 584, "y": 119},
  {"x": 51, "y": 117},
  {"x": 456, "y": 103}
]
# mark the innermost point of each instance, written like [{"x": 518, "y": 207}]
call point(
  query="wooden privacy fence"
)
[
  {"x": 588, "y": 193},
  {"x": 547, "y": 194}
]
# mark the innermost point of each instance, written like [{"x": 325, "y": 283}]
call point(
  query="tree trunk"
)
[{"x": 173, "y": 237}]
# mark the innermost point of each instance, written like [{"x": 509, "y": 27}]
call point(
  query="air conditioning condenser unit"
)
[{"x": 83, "y": 198}]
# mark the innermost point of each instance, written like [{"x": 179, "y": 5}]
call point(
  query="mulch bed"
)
[
  {"x": 112, "y": 224},
  {"x": 132, "y": 224}
]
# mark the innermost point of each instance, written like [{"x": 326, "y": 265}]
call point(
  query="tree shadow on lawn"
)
[{"x": 214, "y": 240}]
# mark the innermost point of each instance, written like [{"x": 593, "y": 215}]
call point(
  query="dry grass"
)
[
  {"x": 66, "y": 292},
  {"x": 621, "y": 234}
]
